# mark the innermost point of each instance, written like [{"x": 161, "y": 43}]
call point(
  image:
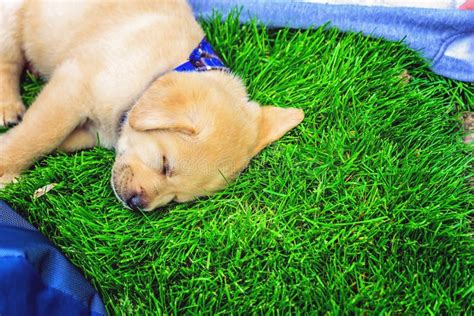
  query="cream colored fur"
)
[{"x": 186, "y": 134}]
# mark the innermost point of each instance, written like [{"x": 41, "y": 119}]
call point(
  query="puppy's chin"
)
[
  {"x": 183, "y": 198},
  {"x": 161, "y": 203}
]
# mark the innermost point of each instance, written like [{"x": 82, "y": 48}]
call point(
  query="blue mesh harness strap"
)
[{"x": 202, "y": 58}]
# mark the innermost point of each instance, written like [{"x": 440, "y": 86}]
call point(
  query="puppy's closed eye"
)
[{"x": 165, "y": 169}]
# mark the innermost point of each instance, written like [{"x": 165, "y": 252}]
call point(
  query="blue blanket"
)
[
  {"x": 445, "y": 37},
  {"x": 35, "y": 278}
]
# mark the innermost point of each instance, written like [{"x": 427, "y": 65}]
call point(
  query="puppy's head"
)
[{"x": 188, "y": 135}]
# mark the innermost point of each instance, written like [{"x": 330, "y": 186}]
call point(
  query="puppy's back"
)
[{"x": 53, "y": 30}]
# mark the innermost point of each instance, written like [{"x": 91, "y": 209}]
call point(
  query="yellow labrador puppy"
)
[{"x": 135, "y": 76}]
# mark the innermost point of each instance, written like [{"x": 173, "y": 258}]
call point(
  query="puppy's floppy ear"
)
[
  {"x": 146, "y": 116},
  {"x": 274, "y": 123}
]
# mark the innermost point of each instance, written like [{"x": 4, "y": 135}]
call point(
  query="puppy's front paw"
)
[
  {"x": 6, "y": 174},
  {"x": 8, "y": 178},
  {"x": 11, "y": 112}
]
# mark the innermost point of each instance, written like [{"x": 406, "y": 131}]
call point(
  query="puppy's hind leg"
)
[
  {"x": 11, "y": 63},
  {"x": 79, "y": 139},
  {"x": 63, "y": 104}
]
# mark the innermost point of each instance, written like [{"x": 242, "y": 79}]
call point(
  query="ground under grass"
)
[{"x": 363, "y": 208}]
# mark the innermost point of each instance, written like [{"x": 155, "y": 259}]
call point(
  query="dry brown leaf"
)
[
  {"x": 43, "y": 190},
  {"x": 405, "y": 77}
]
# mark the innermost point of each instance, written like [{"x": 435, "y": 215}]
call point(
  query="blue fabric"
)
[
  {"x": 444, "y": 37},
  {"x": 202, "y": 58},
  {"x": 35, "y": 278}
]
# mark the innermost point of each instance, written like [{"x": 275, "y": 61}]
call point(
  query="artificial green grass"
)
[{"x": 363, "y": 208}]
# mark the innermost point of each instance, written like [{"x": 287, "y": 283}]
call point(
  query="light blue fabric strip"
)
[{"x": 444, "y": 37}]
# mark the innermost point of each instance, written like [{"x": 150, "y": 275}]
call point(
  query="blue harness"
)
[{"x": 203, "y": 58}]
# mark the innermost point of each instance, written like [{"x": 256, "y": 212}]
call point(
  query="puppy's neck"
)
[{"x": 122, "y": 119}]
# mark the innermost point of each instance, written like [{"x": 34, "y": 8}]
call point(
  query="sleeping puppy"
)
[{"x": 137, "y": 77}]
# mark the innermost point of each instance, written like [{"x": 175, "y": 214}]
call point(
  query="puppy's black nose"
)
[{"x": 135, "y": 202}]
